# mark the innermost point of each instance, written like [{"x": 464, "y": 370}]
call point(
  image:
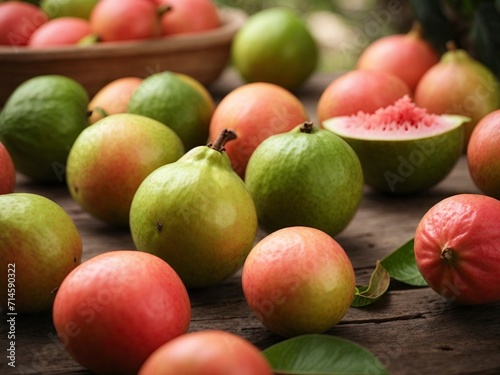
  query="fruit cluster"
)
[
  {"x": 193, "y": 180},
  {"x": 84, "y": 22}
]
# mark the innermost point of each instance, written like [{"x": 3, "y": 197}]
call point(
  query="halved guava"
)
[{"x": 402, "y": 148}]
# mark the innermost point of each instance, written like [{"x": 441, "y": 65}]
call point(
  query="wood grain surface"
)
[{"x": 411, "y": 330}]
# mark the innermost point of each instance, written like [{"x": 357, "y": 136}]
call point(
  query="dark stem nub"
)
[
  {"x": 447, "y": 254},
  {"x": 224, "y": 137},
  {"x": 451, "y": 45},
  {"x": 306, "y": 127},
  {"x": 162, "y": 9}
]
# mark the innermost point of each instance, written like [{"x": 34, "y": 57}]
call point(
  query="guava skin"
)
[
  {"x": 189, "y": 16},
  {"x": 457, "y": 248},
  {"x": 59, "y": 32},
  {"x": 207, "y": 352},
  {"x": 483, "y": 155},
  {"x": 7, "y": 171},
  {"x": 308, "y": 179},
  {"x": 40, "y": 239},
  {"x": 197, "y": 215},
  {"x": 18, "y": 21},
  {"x": 117, "y": 308},
  {"x": 298, "y": 280}
]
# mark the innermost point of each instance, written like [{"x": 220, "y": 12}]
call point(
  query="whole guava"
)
[
  {"x": 275, "y": 45},
  {"x": 298, "y": 280},
  {"x": 306, "y": 176},
  {"x": 39, "y": 246},
  {"x": 197, "y": 215},
  {"x": 117, "y": 308},
  {"x": 457, "y": 248}
]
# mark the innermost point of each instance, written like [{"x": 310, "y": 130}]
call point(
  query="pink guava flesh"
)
[{"x": 402, "y": 120}]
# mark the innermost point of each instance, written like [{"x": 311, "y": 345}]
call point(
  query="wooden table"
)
[{"x": 411, "y": 330}]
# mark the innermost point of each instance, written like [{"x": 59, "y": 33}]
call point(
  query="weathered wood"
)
[{"x": 411, "y": 330}]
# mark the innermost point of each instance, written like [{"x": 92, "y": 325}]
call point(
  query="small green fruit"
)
[
  {"x": 305, "y": 177},
  {"x": 197, "y": 215},
  {"x": 275, "y": 46},
  {"x": 39, "y": 123}
]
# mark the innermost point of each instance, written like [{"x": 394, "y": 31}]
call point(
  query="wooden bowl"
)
[{"x": 202, "y": 56}]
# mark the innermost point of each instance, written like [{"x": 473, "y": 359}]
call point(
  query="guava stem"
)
[
  {"x": 447, "y": 254},
  {"x": 451, "y": 46},
  {"x": 416, "y": 31},
  {"x": 306, "y": 127},
  {"x": 162, "y": 9},
  {"x": 224, "y": 137}
]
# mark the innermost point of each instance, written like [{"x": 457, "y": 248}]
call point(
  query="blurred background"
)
[{"x": 345, "y": 27}]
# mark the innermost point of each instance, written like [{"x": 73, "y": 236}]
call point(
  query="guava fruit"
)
[
  {"x": 118, "y": 20},
  {"x": 18, "y": 21},
  {"x": 457, "y": 248},
  {"x": 39, "y": 246},
  {"x": 39, "y": 123},
  {"x": 205, "y": 352},
  {"x": 407, "y": 56},
  {"x": 305, "y": 177},
  {"x": 460, "y": 85},
  {"x": 402, "y": 148},
  {"x": 197, "y": 215},
  {"x": 276, "y": 46},
  {"x": 188, "y": 16},
  {"x": 60, "y": 32},
  {"x": 483, "y": 154},
  {"x": 117, "y": 308},
  {"x": 110, "y": 159},
  {"x": 177, "y": 100},
  {"x": 298, "y": 280}
]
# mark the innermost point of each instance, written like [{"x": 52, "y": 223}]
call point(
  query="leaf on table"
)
[
  {"x": 321, "y": 354},
  {"x": 485, "y": 35},
  {"x": 378, "y": 285},
  {"x": 402, "y": 266}
]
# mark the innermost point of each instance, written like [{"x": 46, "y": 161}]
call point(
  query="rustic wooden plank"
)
[{"x": 412, "y": 330}]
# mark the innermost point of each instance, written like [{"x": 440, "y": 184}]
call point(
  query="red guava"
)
[
  {"x": 113, "y": 98},
  {"x": 60, "y": 31},
  {"x": 407, "y": 56},
  {"x": 255, "y": 111},
  {"x": 360, "y": 90},
  {"x": 188, "y": 16},
  {"x": 115, "y": 20},
  {"x": 7, "y": 171},
  {"x": 18, "y": 20},
  {"x": 207, "y": 352},
  {"x": 298, "y": 280},
  {"x": 117, "y": 308},
  {"x": 483, "y": 155},
  {"x": 457, "y": 248}
]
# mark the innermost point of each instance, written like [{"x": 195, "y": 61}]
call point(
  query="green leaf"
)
[
  {"x": 379, "y": 283},
  {"x": 320, "y": 354},
  {"x": 402, "y": 266}
]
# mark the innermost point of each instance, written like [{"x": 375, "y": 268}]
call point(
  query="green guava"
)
[
  {"x": 276, "y": 46},
  {"x": 402, "y": 148},
  {"x": 39, "y": 123},
  {"x": 197, "y": 215},
  {"x": 305, "y": 177}
]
